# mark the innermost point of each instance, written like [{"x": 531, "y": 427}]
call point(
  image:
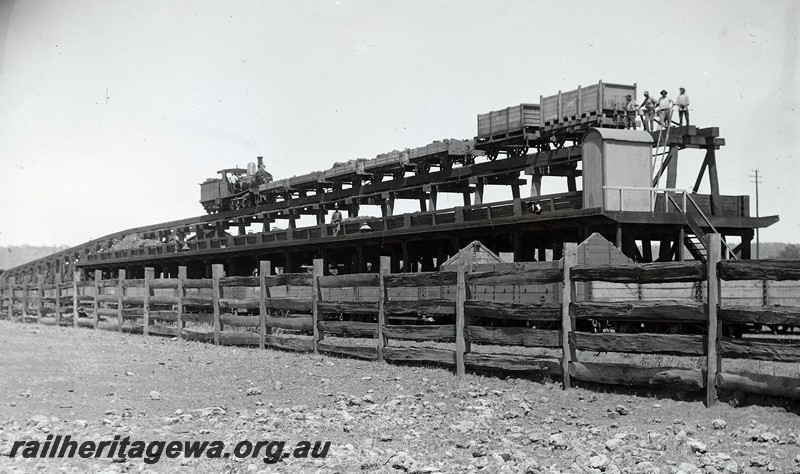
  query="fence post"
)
[
  {"x": 383, "y": 270},
  {"x": 2, "y": 299},
  {"x": 39, "y": 298},
  {"x": 149, "y": 274},
  {"x": 76, "y": 277},
  {"x": 98, "y": 277},
  {"x": 120, "y": 293},
  {"x": 25, "y": 290},
  {"x": 217, "y": 272},
  {"x": 181, "y": 295},
  {"x": 11, "y": 283},
  {"x": 58, "y": 298},
  {"x": 316, "y": 296},
  {"x": 461, "y": 298},
  {"x": 567, "y": 295},
  {"x": 713, "y": 362},
  {"x": 264, "y": 269},
  {"x": 10, "y": 299}
]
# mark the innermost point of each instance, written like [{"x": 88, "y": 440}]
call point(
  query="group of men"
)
[{"x": 650, "y": 107}]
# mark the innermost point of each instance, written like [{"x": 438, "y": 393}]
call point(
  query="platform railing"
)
[{"x": 683, "y": 208}]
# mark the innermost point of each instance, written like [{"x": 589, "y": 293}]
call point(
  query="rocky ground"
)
[{"x": 94, "y": 385}]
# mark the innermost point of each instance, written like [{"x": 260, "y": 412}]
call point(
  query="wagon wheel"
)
[
  {"x": 492, "y": 154},
  {"x": 469, "y": 159},
  {"x": 399, "y": 174},
  {"x": 517, "y": 152},
  {"x": 423, "y": 167},
  {"x": 446, "y": 163}
]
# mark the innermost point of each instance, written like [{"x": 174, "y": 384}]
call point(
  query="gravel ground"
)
[{"x": 94, "y": 385}]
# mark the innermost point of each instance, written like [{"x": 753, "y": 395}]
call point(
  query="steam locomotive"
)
[{"x": 236, "y": 188}]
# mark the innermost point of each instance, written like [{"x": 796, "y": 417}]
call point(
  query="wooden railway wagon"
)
[
  {"x": 443, "y": 153},
  {"x": 392, "y": 164},
  {"x": 346, "y": 169},
  {"x": 556, "y": 119},
  {"x": 599, "y": 103},
  {"x": 308, "y": 180},
  {"x": 511, "y": 130}
]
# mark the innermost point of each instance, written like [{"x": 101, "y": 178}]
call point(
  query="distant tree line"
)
[{"x": 779, "y": 250}]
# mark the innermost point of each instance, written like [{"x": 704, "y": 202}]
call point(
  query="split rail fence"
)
[{"x": 303, "y": 312}]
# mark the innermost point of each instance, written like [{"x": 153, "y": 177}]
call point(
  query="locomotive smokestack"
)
[{"x": 260, "y": 161}]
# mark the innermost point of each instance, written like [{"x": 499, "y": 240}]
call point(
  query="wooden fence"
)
[{"x": 442, "y": 317}]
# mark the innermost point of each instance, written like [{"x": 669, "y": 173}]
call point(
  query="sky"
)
[{"x": 112, "y": 112}]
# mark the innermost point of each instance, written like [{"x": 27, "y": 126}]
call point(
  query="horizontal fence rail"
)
[{"x": 443, "y": 317}]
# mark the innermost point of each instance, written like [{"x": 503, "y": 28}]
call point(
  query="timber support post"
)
[
  {"x": 384, "y": 269},
  {"x": 98, "y": 277},
  {"x": 264, "y": 270},
  {"x": 120, "y": 293},
  {"x": 25, "y": 291},
  {"x": 217, "y": 272},
  {"x": 40, "y": 298},
  {"x": 149, "y": 274},
  {"x": 713, "y": 361},
  {"x": 461, "y": 298},
  {"x": 58, "y": 297},
  {"x": 567, "y": 324},
  {"x": 181, "y": 294},
  {"x": 76, "y": 277},
  {"x": 316, "y": 297}
]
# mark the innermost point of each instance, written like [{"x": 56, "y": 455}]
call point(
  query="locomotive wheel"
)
[{"x": 517, "y": 152}]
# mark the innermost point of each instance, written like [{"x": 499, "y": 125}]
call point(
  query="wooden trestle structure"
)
[{"x": 532, "y": 228}]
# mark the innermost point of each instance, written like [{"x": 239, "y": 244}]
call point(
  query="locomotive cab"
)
[{"x": 216, "y": 192}]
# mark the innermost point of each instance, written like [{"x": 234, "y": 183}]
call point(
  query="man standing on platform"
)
[
  {"x": 336, "y": 220},
  {"x": 665, "y": 106},
  {"x": 683, "y": 107},
  {"x": 649, "y": 110},
  {"x": 630, "y": 112}
]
